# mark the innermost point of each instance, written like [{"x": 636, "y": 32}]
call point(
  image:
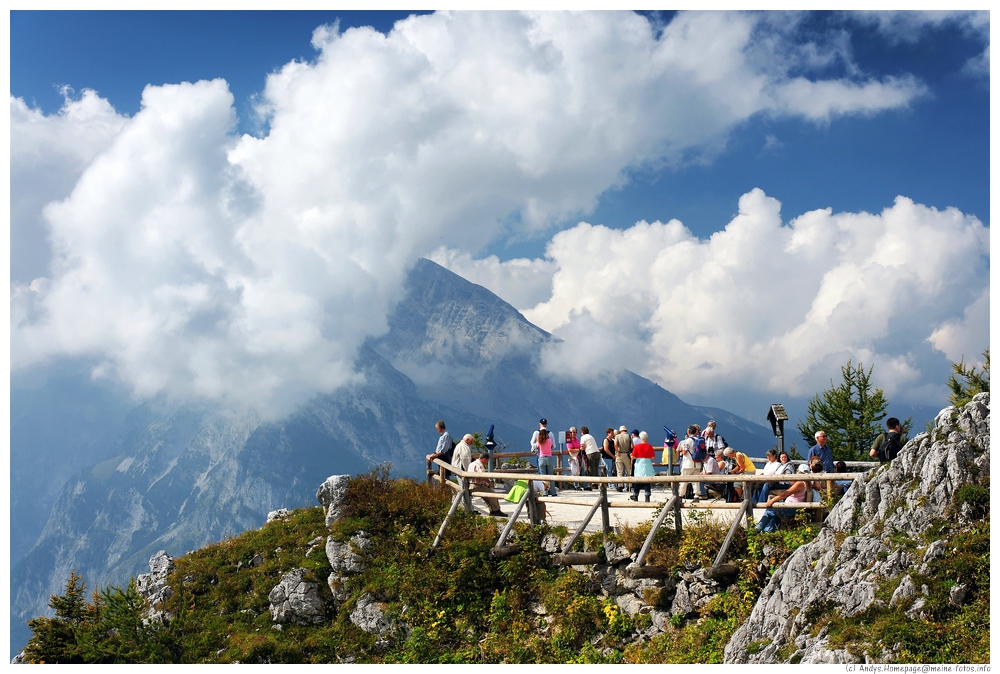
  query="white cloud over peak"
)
[
  {"x": 47, "y": 156},
  {"x": 199, "y": 263},
  {"x": 767, "y": 305},
  {"x": 525, "y": 282}
]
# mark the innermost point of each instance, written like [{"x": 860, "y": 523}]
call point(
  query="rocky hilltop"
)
[
  {"x": 899, "y": 572},
  {"x": 885, "y": 549}
]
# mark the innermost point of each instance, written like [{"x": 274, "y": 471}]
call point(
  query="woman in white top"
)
[{"x": 772, "y": 465}]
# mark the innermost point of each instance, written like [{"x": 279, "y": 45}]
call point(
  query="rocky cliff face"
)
[{"x": 883, "y": 536}]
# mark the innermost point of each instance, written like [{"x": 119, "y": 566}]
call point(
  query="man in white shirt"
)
[
  {"x": 463, "y": 453},
  {"x": 688, "y": 465},
  {"x": 592, "y": 451}
]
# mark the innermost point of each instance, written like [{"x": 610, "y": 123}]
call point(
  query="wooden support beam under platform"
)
[
  {"x": 571, "y": 558},
  {"x": 636, "y": 572},
  {"x": 506, "y": 551}
]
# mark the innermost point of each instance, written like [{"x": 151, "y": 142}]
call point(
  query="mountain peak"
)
[{"x": 447, "y": 320}]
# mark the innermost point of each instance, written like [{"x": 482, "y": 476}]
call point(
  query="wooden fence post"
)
[
  {"x": 447, "y": 519},
  {"x": 605, "y": 515},
  {"x": 676, "y": 500},
  {"x": 466, "y": 494},
  {"x": 532, "y": 503},
  {"x": 667, "y": 507}
]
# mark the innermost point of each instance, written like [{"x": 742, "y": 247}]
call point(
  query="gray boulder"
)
[
  {"x": 694, "y": 591},
  {"x": 330, "y": 495},
  {"x": 615, "y": 554},
  {"x": 551, "y": 544},
  {"x": 345, "y": 557},
  {"x": 297, "y": 600},
  {"x": 630, "y": 604},
  {"x": 841, "y": 568},
  {"x": 369, "y": 615}
]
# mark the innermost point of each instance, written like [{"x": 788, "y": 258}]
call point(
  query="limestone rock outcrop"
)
[
  {"x": 369, "y": 615},
  {"x": 345, "y": 557},
  {"x": 153, "y": 585},
  {"x": 856, "y": 552},
  {"x": 330, "y": 495},
  {"x": 298, "y": 600}
]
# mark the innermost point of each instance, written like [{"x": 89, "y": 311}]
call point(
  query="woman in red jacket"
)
[{"x": 642, "y": 457}]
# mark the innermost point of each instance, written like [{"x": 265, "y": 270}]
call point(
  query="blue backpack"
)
[{"x": 700, "y": 452}]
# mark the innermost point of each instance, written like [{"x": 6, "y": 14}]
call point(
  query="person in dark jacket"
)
[{"x": 887, "y": 445}]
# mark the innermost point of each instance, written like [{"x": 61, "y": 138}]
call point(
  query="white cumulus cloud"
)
[
  {"x": 767, "y": 305},
  {"x": 191, "y": 261},
  {"x": 47, "y": 156}
]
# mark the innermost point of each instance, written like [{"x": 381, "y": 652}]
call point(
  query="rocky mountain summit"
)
[{"x": 883, "y": 548}]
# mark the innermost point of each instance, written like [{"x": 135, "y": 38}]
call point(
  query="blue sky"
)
[{"x": 482, "y": 141}]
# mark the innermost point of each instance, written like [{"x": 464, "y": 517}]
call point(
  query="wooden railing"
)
[
  {"x": 671, "y": 468},
  {"x": 674, "y": 504}
]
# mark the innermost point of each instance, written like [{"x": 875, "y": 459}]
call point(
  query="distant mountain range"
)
[{"x": 118, "y": 482}]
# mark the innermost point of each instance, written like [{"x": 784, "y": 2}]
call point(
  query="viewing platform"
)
[{"x": 576, "y": 508}]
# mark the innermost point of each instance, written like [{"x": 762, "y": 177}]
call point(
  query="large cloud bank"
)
[
  {"x": 191, "y": 261},
  {"x": 765, "y": 305}
]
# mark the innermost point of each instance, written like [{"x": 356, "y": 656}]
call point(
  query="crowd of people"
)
[{"x": 701, "y": 452}]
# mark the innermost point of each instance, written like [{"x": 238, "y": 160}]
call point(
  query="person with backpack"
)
[
  {"x": 693, "y": 452},
  {"x": 887, "y": 445}
]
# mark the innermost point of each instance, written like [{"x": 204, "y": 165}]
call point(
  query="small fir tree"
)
[
  {"x": 54, "y": 639},
  {"x": 965, "y": 382},
  {"x": 850, "y": 413}
]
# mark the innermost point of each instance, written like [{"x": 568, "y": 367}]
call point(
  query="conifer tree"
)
[
  {"x": 54, "y": 639},
  {"x": 850, "y": 414},
  {"x": 973, "y": 381}
]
